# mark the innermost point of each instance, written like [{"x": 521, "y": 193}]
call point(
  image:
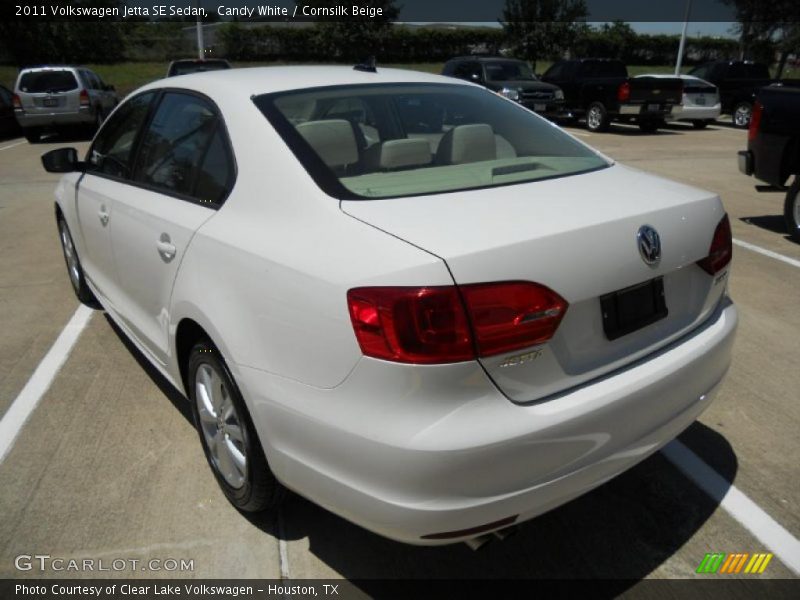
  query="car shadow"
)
[
  {"x": 625, "y": 129},
  {"x": 773, "y": 223},
  {"x": 621, "y": 531}
]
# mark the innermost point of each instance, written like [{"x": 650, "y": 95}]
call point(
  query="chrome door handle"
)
[
  {"x": 166, "y": 248},
  {"x": 103, "y": 217}
]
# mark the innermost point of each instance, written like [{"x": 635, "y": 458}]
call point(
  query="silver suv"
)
[{"x": 52, "y": 98}]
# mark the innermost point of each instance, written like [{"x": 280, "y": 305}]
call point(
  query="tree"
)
[
  {"x": 540, "y": 29},
  {"x": 355, "y": 38},
  {"x": 765, "y": 28}
]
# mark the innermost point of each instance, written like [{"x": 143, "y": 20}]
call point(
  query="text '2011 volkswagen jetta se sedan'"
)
[{"x": 400, "y": 295}]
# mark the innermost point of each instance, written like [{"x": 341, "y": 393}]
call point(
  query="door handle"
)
[
  {"x": 103, "y": 216},
  {"x": 166, "y": 248}
]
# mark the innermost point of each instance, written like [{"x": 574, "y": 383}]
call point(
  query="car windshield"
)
[
  {"x": 509, "y": 71},
  {"x": 392, "y": 140},
  {"x": 35, "y": 82}
]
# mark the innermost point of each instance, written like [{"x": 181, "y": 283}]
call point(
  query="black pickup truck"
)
[
  {"x": 738, "y": 82},
  {"x": 773, "y": 147},
  {"x": 600, "y": 90}
]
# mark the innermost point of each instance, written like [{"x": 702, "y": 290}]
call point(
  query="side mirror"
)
[{"x": 61, "y": 160}]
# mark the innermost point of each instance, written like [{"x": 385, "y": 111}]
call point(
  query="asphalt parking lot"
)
[{"x": 109, "y": 465}]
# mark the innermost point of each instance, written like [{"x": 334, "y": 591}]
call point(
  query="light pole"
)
[
  {"x": 199, "y": 25},
  {"x": 683, "y": 38}
]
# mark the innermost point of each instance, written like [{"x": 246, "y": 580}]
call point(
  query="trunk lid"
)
[
  {"x": 662, "y": 90},
  {"x": 577, "y": 236}
]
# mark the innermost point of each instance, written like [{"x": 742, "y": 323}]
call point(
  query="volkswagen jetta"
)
[{"x": 400, "y": 295}]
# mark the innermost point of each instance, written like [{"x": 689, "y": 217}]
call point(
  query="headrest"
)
[
  {"x": 466, "y": 144},
  {"x": 398, "y": 154},
  {"x": 332, "y": 139}
]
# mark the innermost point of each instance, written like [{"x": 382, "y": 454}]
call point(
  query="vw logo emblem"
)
[{"x": 649, "y": 244}]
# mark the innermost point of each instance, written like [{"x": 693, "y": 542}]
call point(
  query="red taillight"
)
[
  {"x": 755, "y": 120},
  {"x": 511, "y": 315},
  {"x": 84, "y": 98},
  {"x": 624, "y": 91},
  {"x": 429, "y": 325},
  {"x": 16, "y": 102},
  {"x": 721, "y": 250}
]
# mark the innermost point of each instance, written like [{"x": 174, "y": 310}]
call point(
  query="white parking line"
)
[
  {"x": 13, "y": 145},
  {"x": 26, "y": 401},
  {"x": 740, "y": 507},
  {"x": 789, "y": 261}
]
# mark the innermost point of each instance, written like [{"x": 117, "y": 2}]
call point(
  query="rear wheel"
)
[
  {"x": 227, "y": 435},
  {"x": 791, "y": 210},
  {"x": 74, "y": 268},
  {"x": 699, "y": 124},
  {"x": 741, "y": 114},
  {"x": 597, "y": 117}
]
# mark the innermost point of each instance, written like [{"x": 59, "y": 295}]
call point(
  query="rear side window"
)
[
  {"x": 50, "y": 81},
  {"x": 112, "y": 151},
  {"x": 183, "y": 151}
]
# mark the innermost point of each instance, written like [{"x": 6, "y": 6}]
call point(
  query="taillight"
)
[
  {"x": 412, "y": 325},
  {"x": 755, "y": 120},
  {"x": 721, "y": 250},
  {"x": 507, "y": 316},
  {"x": 16, "y": 102},
  {"x": 624, "y": 91},
  {"x": 84, "y": 98},
  {"x": 429, "y": 325}
]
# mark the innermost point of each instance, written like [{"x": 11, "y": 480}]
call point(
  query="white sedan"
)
[
  {"x": 700, "y": 104},
  {"x": 400, "y": 295}
]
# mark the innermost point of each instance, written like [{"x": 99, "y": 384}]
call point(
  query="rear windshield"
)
[
  {"x": 196, "y": 67},
  {"x": 34, "y": 82},
  {"x": 509, "y": 71},
  {"x": 393, "y": 140}
]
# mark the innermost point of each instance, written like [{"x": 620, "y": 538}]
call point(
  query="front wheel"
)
[
  {"x": 74, "y": 268},
  {"x": 597, "y": 118},
  {"x": 791, "y": 210},
  {"x": 229, "y": 439},
  {"x": 741, "y": 114}
]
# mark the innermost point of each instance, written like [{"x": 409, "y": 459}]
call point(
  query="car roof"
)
[
  {"x": 254, "y": 81},
  {"x": 49, "y": 67}
]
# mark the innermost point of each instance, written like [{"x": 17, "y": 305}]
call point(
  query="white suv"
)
[{"x": 52, "y": 98}]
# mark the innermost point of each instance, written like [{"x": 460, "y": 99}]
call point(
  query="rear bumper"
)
[
  {"x": 408, "y": 452},
  {"x": 83, "y": 116},
  {"x": 696, "y": 113},
  {"x": 746, "y": 162},
  {"x": 642, "y": 111}
]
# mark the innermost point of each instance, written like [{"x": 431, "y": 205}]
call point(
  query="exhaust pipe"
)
[
  {"x": 479, "y": 542},
  {"x": 502, "y": 534}
]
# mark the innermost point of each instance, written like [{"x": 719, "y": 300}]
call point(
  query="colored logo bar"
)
[{"x": 741, "y": 562}]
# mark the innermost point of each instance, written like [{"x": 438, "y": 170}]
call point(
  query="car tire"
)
[
  {"x": 791, "y": 210},
  {"x": 32, "y": 135},
  {"x": 699, "y": 124},
  {"x": 649, "y": 125},
  {"x": 226, "y": 432},
  {"x": 741, "y": 114},
  {"x": 74, "y": 268},
  {"x": 597, "y": 119}
]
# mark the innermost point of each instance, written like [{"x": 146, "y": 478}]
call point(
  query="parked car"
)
[
  {"x": 433, "y": 345},
  {"x": 8, "y": 122},
  {"x": 773, "y": 147},
  {"x": 511, "y": 78},
  {"x": 54, "y": 98},
  {"x": 189, "y": 65},
  {"x": 738, "y": 81},
  {"x": 599, "y": 90},
  {"x": 700, "y": 104}
]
